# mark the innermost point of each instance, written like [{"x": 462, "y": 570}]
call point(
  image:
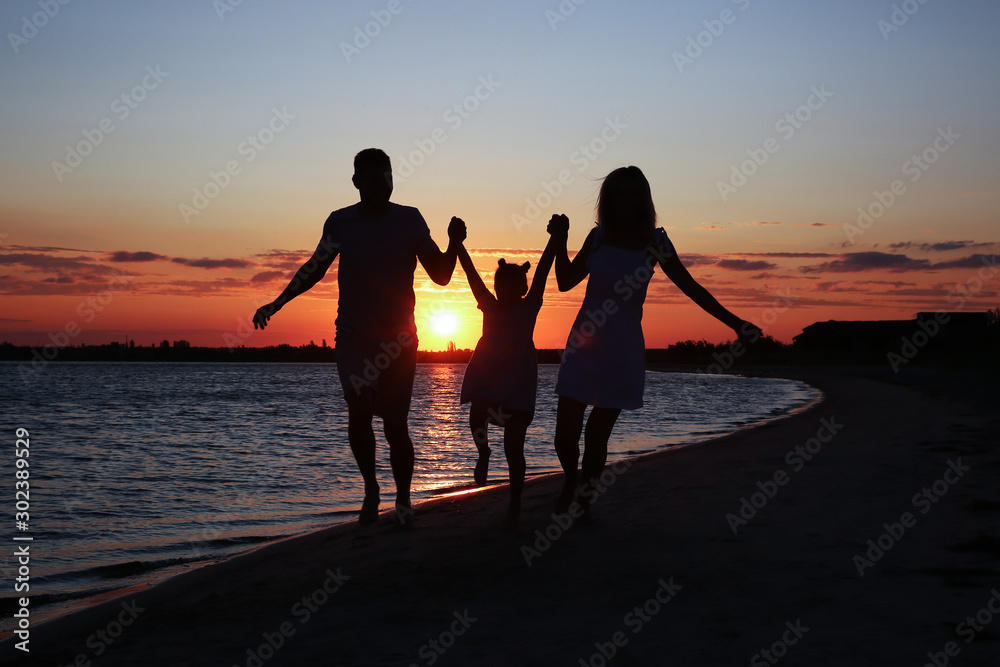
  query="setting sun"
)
[{"x": 444, "y": 324}]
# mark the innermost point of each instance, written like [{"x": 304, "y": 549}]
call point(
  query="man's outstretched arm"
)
[
  {"x": 304, "y": 279},
  {"x": 441, "y": 265}
]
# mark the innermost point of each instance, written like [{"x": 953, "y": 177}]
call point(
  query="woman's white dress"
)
[{"x": 604, "y": 363}]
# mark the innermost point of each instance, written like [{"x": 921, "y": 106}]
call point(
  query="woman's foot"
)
[{"x": 482, "y": 466}]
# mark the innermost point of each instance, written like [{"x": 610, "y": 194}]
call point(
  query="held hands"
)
[
  {"x": 263, "y": 314},
  {"x": 456, "y": 231},
  {"x": 558, "y": 226}
]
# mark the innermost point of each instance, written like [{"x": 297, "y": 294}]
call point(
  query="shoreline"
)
[
  {"x": 54, "y": 611},
  {"x": 662, "y": 518}
]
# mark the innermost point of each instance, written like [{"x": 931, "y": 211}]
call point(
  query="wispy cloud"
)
[
  {"x": 43, "y": 248},
  {"x": 697, "y": 259},
  {"x": 971, "y": 262},
  {"x": 43, "y": 262},
  {"x": 867, "y": 261},
  {"x": 285, "y": 255},
  {"x": 892, "y": 262},
  {"x": 744, "y": 265},
  {"x": 788, "y": 255},
  {"x": 141, "y": 256},
  {"x": 267, "y": 276},
  {"x": 943, "y": 246},
  {"x": 892, "y": 283},
  {"x": 207, "y": 263}
]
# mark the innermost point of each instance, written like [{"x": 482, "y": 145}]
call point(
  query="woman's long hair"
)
[{"x": 637, "y": 229}]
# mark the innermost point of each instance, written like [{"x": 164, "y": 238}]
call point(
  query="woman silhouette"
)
[{"x": 604, "y": 362}]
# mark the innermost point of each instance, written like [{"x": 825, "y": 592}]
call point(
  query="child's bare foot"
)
[{"x": 482, "y": 466}]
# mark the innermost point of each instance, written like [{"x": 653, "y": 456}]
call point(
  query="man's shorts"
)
[{"x": 386, "y": 366}]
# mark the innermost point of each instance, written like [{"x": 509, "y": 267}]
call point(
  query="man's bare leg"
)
[
  {"x": 362, "y": 440},
  {"x": 401, "y": 457}
]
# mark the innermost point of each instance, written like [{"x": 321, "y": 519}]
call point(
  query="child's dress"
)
[
  {"x": 604, "y": 363},
  {"x": 504, "y": 368}
]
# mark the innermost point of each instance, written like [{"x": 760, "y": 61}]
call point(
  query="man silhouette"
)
[{"x": 379, "y": 244}]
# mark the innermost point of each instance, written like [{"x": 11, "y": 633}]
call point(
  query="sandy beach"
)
[{"x": 862, "y": 531}]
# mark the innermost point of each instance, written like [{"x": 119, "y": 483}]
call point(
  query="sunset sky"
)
[{"x": 167, "y": 166}]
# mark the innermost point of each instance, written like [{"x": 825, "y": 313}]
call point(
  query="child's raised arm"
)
[
  {"x": 479, "y": 289},
  {"x": 542, "y": 270}
]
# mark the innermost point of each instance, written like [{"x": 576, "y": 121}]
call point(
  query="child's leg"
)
[
  {"x": 514, "y": 433},
  {"x": 478, "y": 422},
  {"x": 569, "y": 424},
  {"x": 595, "y": 452}
]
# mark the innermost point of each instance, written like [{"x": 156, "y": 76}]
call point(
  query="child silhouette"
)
[{"x": 502, "y": 376}]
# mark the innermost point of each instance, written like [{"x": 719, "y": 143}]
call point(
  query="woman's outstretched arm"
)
[
  {"x": 678, "y": 273},
  {"x": 569, "y": 274}
]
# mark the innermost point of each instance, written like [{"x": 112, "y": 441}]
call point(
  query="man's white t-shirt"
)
[{"x": 377, "y": 259}]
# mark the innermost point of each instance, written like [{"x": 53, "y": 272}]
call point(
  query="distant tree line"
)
[{"x": 964, "y": 339}]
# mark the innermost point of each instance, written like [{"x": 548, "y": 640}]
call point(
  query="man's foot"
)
[
  {"x": 369, "y": 510},
  {"x": 482, "y": 466}
]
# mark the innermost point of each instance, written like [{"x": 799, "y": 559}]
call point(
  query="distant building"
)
[
  {"x": 862, "y": 336},
  {"x": 960, "y": 326},
  {"x": 877, "y": 337}
]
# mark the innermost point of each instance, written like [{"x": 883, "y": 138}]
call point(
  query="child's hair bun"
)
[{"x": 503, "y": 265}]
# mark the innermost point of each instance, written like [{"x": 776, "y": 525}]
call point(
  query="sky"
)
[{"x": 166, "y": 167}]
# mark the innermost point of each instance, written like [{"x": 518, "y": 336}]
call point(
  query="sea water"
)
[{"x": 138, "y": 470}]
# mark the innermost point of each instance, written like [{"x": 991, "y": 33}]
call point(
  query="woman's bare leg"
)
[
  {"x": 569, "y": 424},
  {"x": 595, "y": 453}
]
